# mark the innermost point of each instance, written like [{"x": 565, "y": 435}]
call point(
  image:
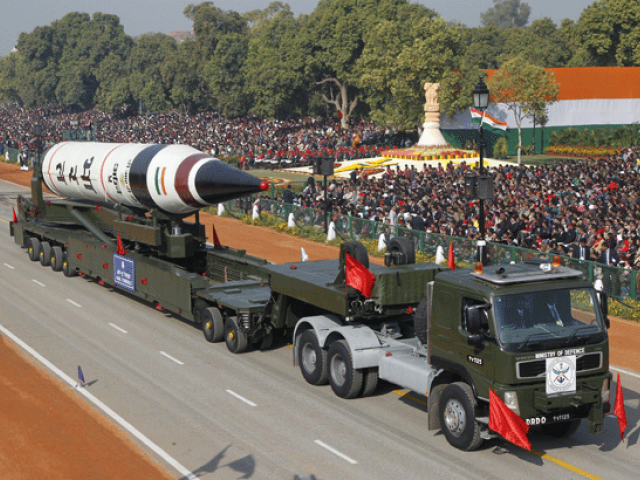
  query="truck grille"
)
[{"x": 537, "y": 368}]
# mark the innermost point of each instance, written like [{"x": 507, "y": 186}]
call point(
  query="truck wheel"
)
[
  {"x": 34, "y": 249},
  {"x": 457, "y": 417},
  {"x": 359, "y": 251},
  {"x": 212, "y": 324},
  {"x": 370, "y": 382},
  {"x": 346, "y": 381},
  {"x": 56, "y": 258},
  {"x": 312, "y": 358},
  {"x": 235, "y": 338},
  {"x": 420, "y": 321},
  {"x": 561, "y": 430},
  {"x": 403, "y": 245},
  {"x": 66, "y": 269},
  {"x": 45, "y": 254}
]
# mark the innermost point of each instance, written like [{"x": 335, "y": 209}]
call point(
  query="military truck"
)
[{"x": 535, "y": 333}]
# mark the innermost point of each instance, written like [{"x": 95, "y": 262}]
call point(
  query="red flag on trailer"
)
[
  {"x": 216, "y": 240},
  {"x": 452, "y": 260},
  {"x": 15, "y": 219},
  {"x": 619, "y": 410},
  {"x": 358, "y": 276},
  {"x": 120, "y": 250},
  {"x": 503, "y": 421}
]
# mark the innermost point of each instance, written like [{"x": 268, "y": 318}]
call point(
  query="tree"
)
[
  {"x": 526, "y": 90},
  {"x": 274, "y": 71},
  {"x": 609, "y": 31},
  {"x": 542, "y": 44},
  {"x": 483, "y": 46},
  {"x": 211, "y": 24},
  {"x": 506, "y": 14}
]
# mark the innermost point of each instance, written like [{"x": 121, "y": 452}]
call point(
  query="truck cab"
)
[{"x": 536, "y": 334}]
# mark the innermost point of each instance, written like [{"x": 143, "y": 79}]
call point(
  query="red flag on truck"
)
[
  {"x": 358, "y": 276},
  {"x": 452, "y": 260},
  {"x": 619, "y": 410},
  {"x": 505, "y": 422}
]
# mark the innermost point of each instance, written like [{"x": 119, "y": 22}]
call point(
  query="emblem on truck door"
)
[{"x": 561, "y": 374}]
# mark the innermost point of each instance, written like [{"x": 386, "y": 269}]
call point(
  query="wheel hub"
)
[
  {"x": 309, "y": 358},
  {"x": 455, "y": 417}
]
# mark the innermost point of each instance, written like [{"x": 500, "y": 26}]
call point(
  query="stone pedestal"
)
[{"x": 431, "y": 135}]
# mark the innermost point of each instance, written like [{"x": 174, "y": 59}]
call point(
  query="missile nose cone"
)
[
  {"x": 264, "y": 185},
  {"x": 218, "y": 182}
]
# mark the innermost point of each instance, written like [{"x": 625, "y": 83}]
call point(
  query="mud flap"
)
[{"x": 596, "y": 418}]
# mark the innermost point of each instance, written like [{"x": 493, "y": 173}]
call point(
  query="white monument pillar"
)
[{"x": 431, "y": 135}]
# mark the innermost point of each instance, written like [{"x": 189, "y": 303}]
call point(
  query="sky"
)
[{"x": 149, "y": 16}]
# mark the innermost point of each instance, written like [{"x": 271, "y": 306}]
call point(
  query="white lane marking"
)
[
  {"x": 171, "y": 358},
  {"x": 239, "y": 397},
  {"x": 626, "y": 372},
  {"x": 336, "y": 452},
  {"x": 74, "y": 303},
  {"x": 117, "y": 418},
  {"x": 118, "y": 328},
  {"x": 9, "y": 266},
  {"x": 37, "y": 282}
]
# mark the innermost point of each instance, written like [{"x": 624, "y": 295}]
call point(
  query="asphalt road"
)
[{"x": 226, "y": 416}]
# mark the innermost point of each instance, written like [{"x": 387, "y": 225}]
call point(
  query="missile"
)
[{"x": 173, "y": 178}]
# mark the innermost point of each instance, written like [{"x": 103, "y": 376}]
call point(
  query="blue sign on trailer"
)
[{"x": 124, "y": 272}]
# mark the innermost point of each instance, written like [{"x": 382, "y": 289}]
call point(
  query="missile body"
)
[{"x": 173, "y": 178}]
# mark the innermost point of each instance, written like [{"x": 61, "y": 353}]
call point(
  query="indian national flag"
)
[{"x": 490, "y": 123}]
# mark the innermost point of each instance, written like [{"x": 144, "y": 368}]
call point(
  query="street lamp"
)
[{"x": 480, "y": 102}]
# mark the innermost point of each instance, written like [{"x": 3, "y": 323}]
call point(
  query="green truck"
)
[{"x": 534, "y": 333}]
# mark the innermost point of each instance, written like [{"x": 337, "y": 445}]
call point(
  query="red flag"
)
[
  {"x": 452, "y": 260},
  {"x": 15, "y": 219},
  {"x": 503, "y": 421},
  {"x": 216, "y": 240},
  {"x": 619, "y": 410},
  {"x": 120, "y": 250},
  {"x": 358, "y": 276}
]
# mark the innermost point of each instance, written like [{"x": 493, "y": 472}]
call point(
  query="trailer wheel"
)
[
  {"x": 312, "y": 358},
  {"x": 561, "y": 430},
  {"x": 235, "y": 338},
  {"x": 457, "y": 417},
  {"x": 66, "y": 269},
  {"x": 369, "y": 382},
  {"x": 212, "y": 324},
  {"x": 345, "y": 380},
  {"x": 45, "y": 254},
  {"x": 34, "y": 249},
  {"x": 56, "y": 258}
]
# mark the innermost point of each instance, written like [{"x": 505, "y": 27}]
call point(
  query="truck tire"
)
[
  {"x": 234, "y": 337},
  {"x": 420, "y": 321},
  {"x": 56, "y": 258},
  {"x": 404, "y": 246},
  {"x": 369, "y": 382},
  {"x": 312, "y": 358},
  {"x": 359, "y": 251},
  {"x": 212, "y": 324},
  {"x": 66, "y": 268},
  {"x": 560, "y": 430},
  {"x": 45, "y": 254},
  {"x": 34, "y": 249},
  {"x": 457, "y": 417},
  {"x": 345, "y": 380}
]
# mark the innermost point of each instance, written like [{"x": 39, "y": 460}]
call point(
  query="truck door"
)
[{"x": 475, "y": 346}]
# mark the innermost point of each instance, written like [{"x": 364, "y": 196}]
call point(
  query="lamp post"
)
[{"x": 480, "y": 102}]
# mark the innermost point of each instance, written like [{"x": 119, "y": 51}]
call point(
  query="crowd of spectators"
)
[{"x": 587, "y": 209}]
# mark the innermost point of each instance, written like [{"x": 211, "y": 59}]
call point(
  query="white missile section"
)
[{"x": 174, "y": 178}]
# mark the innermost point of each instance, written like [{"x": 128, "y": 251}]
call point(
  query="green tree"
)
[
  {"x": 183, "y": 75},
  {"x": 542, "y": 44},
  {"x": 211, "y": 24},
  {"x": 274, "y": 70},
  {"x": 483, "y": 46},
  {"x": 506, "y": 14},
  {"x": 525, "y": 88},
  {"x": 609, "y": 31}
]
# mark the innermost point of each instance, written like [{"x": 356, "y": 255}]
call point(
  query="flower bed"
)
[
  {"x": 580, "y": 151},
  {"x": 444, "y": 152}
]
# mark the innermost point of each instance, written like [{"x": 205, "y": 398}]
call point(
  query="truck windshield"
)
[{"x": 548, "y": 319}]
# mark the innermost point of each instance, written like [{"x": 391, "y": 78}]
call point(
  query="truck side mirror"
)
[{"x": 473, "y": 319}]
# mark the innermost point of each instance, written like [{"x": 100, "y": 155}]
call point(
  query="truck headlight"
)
[
  {"x": 606, "y": 391},
  {"x": 511, "y": 401}
]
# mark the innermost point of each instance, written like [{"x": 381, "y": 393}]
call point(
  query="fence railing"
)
[{"x": 619, "y": 283}]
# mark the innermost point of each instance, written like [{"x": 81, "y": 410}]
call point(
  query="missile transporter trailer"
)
[{"x": 534, "y": 333}]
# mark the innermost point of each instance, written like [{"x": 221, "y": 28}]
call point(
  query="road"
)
[{"x": 225, "y": 416}]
